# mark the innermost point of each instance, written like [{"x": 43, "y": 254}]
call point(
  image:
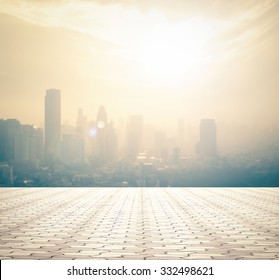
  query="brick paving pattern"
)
[{"x": 139, "y": 223}]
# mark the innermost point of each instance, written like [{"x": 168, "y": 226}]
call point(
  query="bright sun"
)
[{"x": 175, "y": 51}]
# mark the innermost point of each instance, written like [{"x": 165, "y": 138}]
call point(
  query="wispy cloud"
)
[
  {"x": 243, "y": 26},
  {"x": 241, "y": 19}
]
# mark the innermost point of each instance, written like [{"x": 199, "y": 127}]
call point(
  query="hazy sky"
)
[{"x": 165, "y": 59}]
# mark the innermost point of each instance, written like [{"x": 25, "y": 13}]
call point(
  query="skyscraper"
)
[
  {"x": 20, "y": 143},
  {"x": 10, "y": 135},
  {"x": 207, "y": 145},
  {"x": 101, "y": 143},
  {"x": 102, "y": 118},
  {"x": 80, "y": 139},
  {"x": 52, "y": 123},
  {"x": 106, "y": 141}
]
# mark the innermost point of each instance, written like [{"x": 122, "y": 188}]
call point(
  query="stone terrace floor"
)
[{"x": 139, "y": 223}]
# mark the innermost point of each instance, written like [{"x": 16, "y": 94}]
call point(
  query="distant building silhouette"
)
[
  {"x": 30, "y": 146},
  {"x": 102, "y": 117},
  {"x": 68, "y": 152},
  {"x": 6, "y": 175},
  {"x": 106, "y": 140},
  {"x": 207, "y": 145},
  {"x": 80, "y": 137},
  {"x": 101, "y": 140},
  {"x": 20, "y": 143},
  {"x": 10, "y": 132},
  {"x": 52, "y": 123}
]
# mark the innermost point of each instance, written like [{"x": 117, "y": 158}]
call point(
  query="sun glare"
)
[{"x": 173, "y": 52}]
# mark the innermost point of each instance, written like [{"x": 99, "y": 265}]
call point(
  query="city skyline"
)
[
  {"x": 184, "y": 61},
  {"x": 104, "y": 139},
  {"x": 105, "y": 81},
  {"x": 233, "y": 138},
  {"x": 89, "y": 154}
]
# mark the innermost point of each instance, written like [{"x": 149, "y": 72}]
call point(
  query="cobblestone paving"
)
[{"x": 139, "y": 223}]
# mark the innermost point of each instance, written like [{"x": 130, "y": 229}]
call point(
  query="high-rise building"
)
[
  {"x": 207, "y": 145},
  {"x": 101, "y": 140},
  {"x": 29, "y": 145},
  {"x": 10, "y": 134},
  {"x": 102, "y": 118},
  {"x": 20, "y": 143},
  {"x": 6, "y": 175},
  {"x": 52, "y": 123},
  {"x": 106, "y": 140}
]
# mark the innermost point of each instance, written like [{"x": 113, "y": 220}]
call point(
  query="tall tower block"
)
[{"x": 52, "y": 123}]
